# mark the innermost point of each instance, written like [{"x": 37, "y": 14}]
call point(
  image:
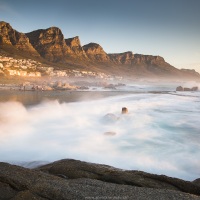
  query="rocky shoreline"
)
[{"x": 73, "y": 179}]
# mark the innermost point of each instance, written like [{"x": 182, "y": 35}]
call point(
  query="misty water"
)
[{"x": 160, "y": 134}]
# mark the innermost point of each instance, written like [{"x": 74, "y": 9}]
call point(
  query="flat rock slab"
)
[
  {"x": 25, "y": 184},
  {"x": 74, "y": 169}
]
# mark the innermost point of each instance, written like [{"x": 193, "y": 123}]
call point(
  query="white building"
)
[{"x": 12, "y": 72}]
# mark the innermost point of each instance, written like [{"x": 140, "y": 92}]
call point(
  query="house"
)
[
  {"x": 38, "y": 74},
  {"x": 12, "y": 72},
  {"x": 22, "y": 73}
]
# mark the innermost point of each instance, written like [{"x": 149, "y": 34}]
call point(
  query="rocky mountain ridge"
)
[
  {"x": 50, "y": 45},
  {"x": 12, "y": 37}
]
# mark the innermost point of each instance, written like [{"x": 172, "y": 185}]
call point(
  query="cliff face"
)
[
  {"x": 76, "y": 49},
  {"x": 9, "y": 36},
  {"x": 122, "y": 58},
  {"x": 49, "y": 43},
  {"x": 135, "y": 59},
  {"x": 96, "y": 53}
]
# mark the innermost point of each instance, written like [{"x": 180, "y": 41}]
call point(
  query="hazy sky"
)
[{"x": 169, "y": 28}]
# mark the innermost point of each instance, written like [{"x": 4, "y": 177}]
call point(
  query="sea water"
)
[{"x": 160, "y": 134}]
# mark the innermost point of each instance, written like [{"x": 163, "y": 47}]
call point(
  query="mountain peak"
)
[
  {"x": 49, "y": 43},
  {"x": 95, "y": 52},
  {"x": 92, "y": 46},
  {"x": 9, "y": 36},
  {"x": 75, "y": 45}
]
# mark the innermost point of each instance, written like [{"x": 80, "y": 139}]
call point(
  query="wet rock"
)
[
  {"x": 195, "y": 88},
  {"x": 83, "y": 88},
  {"x": 110, "y": 86},
  {"x": 186, "y": 89},
  {"x": 124, "y": 110},
  {"x": 109, "y": 118},
  {"x": 110, "y": 133},
  {"x": 179, "y": 88}
]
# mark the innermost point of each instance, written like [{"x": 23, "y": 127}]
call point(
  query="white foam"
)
[{"x": 160, "y": 134}]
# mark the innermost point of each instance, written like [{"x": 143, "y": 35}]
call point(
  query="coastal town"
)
[{"x": 48, "y": 78}]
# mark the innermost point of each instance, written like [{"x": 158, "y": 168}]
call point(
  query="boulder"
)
[
  {"x": 83, "y": 88},
  {"x": 109, "y": 118},
  {"x": 179, "y": 88},
  {"x": 18, "y": 183},
  {"x": 186, "y": 89},
  {"x": 124, "y": 110},
  {"x": 194, "y": 88},
  {"x": 110, "y": 133},
  {"x": 74, "y": 169},
  {"x": 110, "y": 86}
]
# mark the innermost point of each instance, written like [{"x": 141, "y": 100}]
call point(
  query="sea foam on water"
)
[{"x": 159, "y": 134}]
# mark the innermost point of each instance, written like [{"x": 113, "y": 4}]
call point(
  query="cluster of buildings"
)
[
  {"x": 19, "y": 67},
  {"x": 31, "y": 68}
]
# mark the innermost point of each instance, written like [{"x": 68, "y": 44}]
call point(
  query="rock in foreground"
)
[{"x": 80, "y": 182}]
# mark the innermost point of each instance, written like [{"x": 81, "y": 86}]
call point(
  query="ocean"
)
[{"x": 160, "y": 134}]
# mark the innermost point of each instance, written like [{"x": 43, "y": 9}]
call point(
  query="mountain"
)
[
  {"x": 9, "y": 36},
  {"x": 49, "y": 45},
  {"x": 95, "y": 52},
  {"x": 75, "y": 45}
]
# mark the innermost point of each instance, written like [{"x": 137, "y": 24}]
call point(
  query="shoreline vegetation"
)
[{"x": 74, "y": 179}]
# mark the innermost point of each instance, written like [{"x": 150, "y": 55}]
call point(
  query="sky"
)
[{"x": 169, "y": 28}]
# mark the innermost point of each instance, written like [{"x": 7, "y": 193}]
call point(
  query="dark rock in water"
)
[
  {"x": 110, "y": 133},
  {"x": 195, "y": 88},
  {"x": 186, "y": 89},
  {"x": 110, "y": 118},
  {"x": 197, "y": 181},
  {"x": 89, "y": 180},
  {"x": 83, "y": 88},
  {"x": 179, "y": 88},
  {"x": 124, "y": 110},
  {"x": 110, "y": 86}
]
